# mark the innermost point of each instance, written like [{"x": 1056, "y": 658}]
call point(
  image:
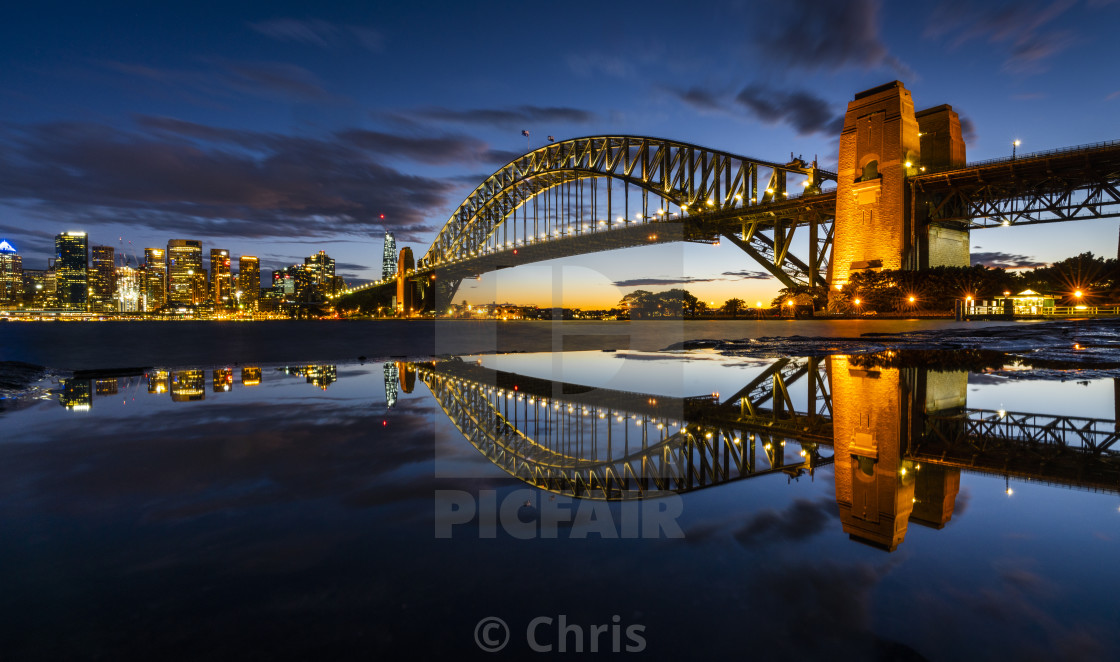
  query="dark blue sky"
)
[{"x": 279, "y": 129}]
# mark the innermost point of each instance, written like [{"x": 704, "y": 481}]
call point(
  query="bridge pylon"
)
[{"x": 879, "y": 223}]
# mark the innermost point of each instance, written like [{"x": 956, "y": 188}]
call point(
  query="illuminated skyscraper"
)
[
  {"x": 249, "y": 281},
  {"x": 154, "y": 280},
  {"x": 186, "y": 279},
  {"x": 71, "y": 270},
  {"x": 127, "y": 296},
  {"x": 221, "y": 283},
  {"x": 320, "y": 269},
  {"x": 11, "y": 275},
  {"x": 389, "y": 258},
  {"x": 101, "y": 277}
]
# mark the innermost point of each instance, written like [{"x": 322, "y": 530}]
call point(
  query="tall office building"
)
[
  {"x": 221, "y": 282},
  {"x": 389, "y": 258},
  {"x": 248, "y": 281},
  {"x": 101, "y": 276},
  {"x": 154, "y": 280},
  {"x": 320, "y": 269},
  {"x": 11, "y": 275},
  {"x": 127, "y": 296},
  {"x": 186, "y": 279},
  {"x": 71, "y": 250}
]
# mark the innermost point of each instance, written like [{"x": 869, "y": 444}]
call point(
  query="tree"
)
[{"x": 733, "y": 306}]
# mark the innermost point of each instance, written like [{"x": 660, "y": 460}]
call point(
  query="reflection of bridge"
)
[
  {"x": 903, "y": 198},
  {"x": 898, "y": 436}
]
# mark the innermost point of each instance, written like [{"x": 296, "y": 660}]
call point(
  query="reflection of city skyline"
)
[
  {"x": 898, "y": 437},
  {"x": 79, "y": 393}
]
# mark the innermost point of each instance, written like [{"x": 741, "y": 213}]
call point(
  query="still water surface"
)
[{"x": 683, "y": 503}]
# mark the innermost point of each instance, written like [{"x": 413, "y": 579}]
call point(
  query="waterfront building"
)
[
  {"x": 105, "y": 386},
  {"x": 34, "y": 284},
  {"x": 157, "y": 382},
  {"x": 250, "y": 376},
  {"x": 186, "y": 279},
  {"x": 222, "y": 380},
  {"x": 101, "y": 276},
  {"x": 72, "y": 270},
  {"x": 127, "y": 296},
  {"x": 248, "y": 282},
  {"x": 154, "y": 280},
  {"x": 389, "y": 258},
  {"x": 188, "y": 385},
  {"x": 76, "y": 395},
  {"x": 320, "y": 273},
  {"x": 221, "y": 284},
  {"x": 11, "y": 275}
]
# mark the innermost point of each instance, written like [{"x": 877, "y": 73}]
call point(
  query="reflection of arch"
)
[{"x": 564, "y": 444}]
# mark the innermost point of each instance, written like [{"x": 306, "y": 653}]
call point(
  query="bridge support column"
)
[
  {"x": 878, "y": 145},
  {"x": 881, "y": 222}
]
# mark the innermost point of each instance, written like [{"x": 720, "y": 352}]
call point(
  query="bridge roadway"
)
[
  {"x": 601, "y": 443},
  {"x": 1068, "y": 184}
]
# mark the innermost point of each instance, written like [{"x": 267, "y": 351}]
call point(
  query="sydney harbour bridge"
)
[
  {"x": 897, "y": 436},
  {"x": 903, "y": 197}
]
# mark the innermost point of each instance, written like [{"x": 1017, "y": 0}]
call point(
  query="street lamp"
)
[{"x": 1014, "y": 145}]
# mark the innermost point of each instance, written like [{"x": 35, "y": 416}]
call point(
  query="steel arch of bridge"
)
[{"x": 710, "y": 189}]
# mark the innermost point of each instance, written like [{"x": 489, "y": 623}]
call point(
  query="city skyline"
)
[{"x": 290, "y": 126}]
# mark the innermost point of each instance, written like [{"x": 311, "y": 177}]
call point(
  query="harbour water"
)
[{"x": 700, "y": 490}]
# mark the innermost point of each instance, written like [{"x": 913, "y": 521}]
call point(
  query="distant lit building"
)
[
  {"x": 389, "y": 258},
  {"x": 319, "y": 375},
  {"x": 188, "y": 385},
  {"x": 320, "y": 273},
  {"x": 222, "y": 380},
  {"x": 11, "y": 275},
  {"x": 221, "y": 281},
  {"x": 186, "y": 279},
  {"x": 127, "y": 296},
  {"x": 248, "y": 281},
  {"x": 154, "y": 280},
  {"x": 77, "y": 394},
  {"x": 102, "y": 275},
  {"x": 105, "y": 386},
  {"x": 392, "y": 376},
  {"x": 157, "y": 382},
  {"x": 250, "y": 376},
  {"x": 71, "y": 270},
  {"x": 34, "y": 284}
]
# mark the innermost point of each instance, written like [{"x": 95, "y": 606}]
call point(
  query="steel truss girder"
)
[
  {"x": 680, "y": 173},
  {"x": 1076, "y": 184}
]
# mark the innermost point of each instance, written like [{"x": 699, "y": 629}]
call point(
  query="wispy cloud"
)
[
  {"x": 223, "y": 81},
  {"x": 317, "y": 32},
  {"x": 517, "y": 117},
  {"x": 1004, "y": 260},
  {"x": 1023, "y": 30},
  {"x": 213, "y": 181},
  {"x": 806, "y": 112},
  {"x": 827, "y": 35}
]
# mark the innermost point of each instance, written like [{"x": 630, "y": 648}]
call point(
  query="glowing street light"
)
[{"x": 1014, "y": 145}]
